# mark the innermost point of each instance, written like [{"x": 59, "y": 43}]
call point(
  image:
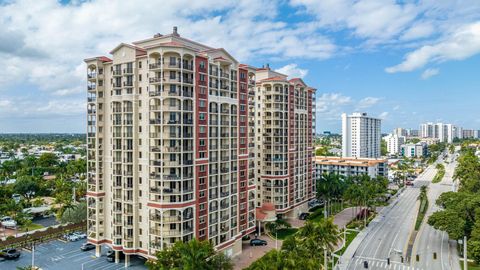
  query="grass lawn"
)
[
  {"x": 471, "y": 265},
  {"x": 284, "y": 233},
  {"x": 350, "y": 237},
  {"x": 421, "y": 212},
  {"x": 439, "y": 176},
  {"x": 30, "y": 227}
]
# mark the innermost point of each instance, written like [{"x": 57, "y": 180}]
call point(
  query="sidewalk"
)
[
  {"x": 250, "y": 254},
  {"x": 352, "y": 248}
]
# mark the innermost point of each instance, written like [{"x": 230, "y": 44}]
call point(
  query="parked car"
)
[
  {"x": 303, "y": 216},
  {"x": 111, "y": 256},
  {"x": 409, "y": 183},
  {"x": 8, "y": 222},
  {"x": 72, "y": 237},
  {"x": 10, "y": 254},
  {"x": 87, "y": 246},
  {"x": 80, "y": 235},
  {"x": 258, "y": 242}
]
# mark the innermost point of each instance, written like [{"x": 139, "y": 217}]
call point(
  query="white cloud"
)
[
  {"x": 383, "y": 115},
  {"x": 463, "y": 43},
  {"x": 430, "y": 72},
  {"x": 329, "y": 106},
  {"x": 367, "y": 102},
  {"x": 43, "y": 43},
  {"x": 376, "y": 20},
  {"x": 293, "y": 71}
]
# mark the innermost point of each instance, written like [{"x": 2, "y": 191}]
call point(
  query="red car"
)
[{"x": 409, "y": 183}]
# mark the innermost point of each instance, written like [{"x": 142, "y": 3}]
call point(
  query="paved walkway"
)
[{"x": 251, "y": 254}]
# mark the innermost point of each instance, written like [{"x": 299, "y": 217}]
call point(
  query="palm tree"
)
[
  {"x": 320, "y": 236},
  {"x": 191, "y": 255}
]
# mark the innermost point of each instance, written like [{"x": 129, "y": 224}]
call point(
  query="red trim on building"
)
[{"x": 162, "y": 205}]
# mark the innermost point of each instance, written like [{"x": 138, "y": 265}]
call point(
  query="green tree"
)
[
  {"x": 27, "y": 186},
  {"x": 192, "y": 255},
  {"x": 47, "y": 160},
  {"x": 74, "y": 214},
  {"x": 276, "y": 225},
  {"x": 383, "y": 148}
]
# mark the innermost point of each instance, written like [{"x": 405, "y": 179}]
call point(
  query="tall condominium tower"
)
[
  {"x": 285, "y": 125},
  {"x": 361, "y": 136},
  {"x": 179, "y": 135},
  {"x": 168, "y": 146}
]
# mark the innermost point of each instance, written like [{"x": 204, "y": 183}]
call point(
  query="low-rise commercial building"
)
[
  {"x": 415, "y": 150},
  {"x": 351, "y": 166}
]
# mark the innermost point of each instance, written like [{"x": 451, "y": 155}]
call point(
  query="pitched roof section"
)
[
  {"x": 98, "y": 58},
  {"x": 298, "y": 81},
  {"x": 126, "y": 45},
  {"x": 274, "y": 79}
]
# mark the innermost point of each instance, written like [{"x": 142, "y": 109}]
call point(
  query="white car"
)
[
  {"x": 8, "y": 222},
  {"x": 73, "y": 238},
  {"x": 80, "y": 235}
]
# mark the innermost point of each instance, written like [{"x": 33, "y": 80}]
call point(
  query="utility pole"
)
[{"x": 465, "y": 264}]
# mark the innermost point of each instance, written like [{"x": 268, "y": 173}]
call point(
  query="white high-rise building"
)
[
  {"x": 427, "y": 130},
  {"x": 394, "y": 143},
  {"x": 442, "y": 132},
  {"x": 400, "y": 132},
  {"x": 361, "y": 136},
  {"x": 453, "y": 132}
]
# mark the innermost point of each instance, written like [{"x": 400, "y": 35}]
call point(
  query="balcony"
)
[
  {"x": 155, "y": 66},
  {"x": 154, "y": 80},
  {"x": 127, "y": 71},
  {"x": 172, "y": 65},
  {"x": 117, "y": 72},
  {"x": 171, "y": 149}
]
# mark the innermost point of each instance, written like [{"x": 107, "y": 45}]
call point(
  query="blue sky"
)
[{"x": 405, "y": 61}]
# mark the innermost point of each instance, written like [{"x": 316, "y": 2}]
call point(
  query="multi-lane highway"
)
[
  {"x": 385, "y": 242},
  {"x": 433, "y": 247}
]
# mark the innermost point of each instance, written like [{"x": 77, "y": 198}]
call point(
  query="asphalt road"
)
[
  {"x": 388, "y": 234},
  {"x": 429, "y": 240}
]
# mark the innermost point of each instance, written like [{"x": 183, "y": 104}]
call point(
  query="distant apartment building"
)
[
  {"x": 361, "y": 136},
  {"x": 394, "y": 143},
  {"x": 413, "y": 133},
  {"x": 400, "y": 132},
  {"x": 414, "y": 150},
  {"x": 351, "y": 166},
  {"x": 180, "y": 138},
  {"x": 427, "y": 130},
  {"x": 470, "y": 134},
  {"x": 443, "y": 132}
]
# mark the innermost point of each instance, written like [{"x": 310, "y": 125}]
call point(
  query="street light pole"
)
[
  {"x": 276, "y": 239},
  {"x": 33, "y": 256},
  {"x": 465, "y": 264}
]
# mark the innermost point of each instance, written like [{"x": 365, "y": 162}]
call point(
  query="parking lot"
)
[{"x": 60, "y": 255}]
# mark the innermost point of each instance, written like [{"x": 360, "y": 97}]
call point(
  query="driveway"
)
[{"x": 251, "y": 254}]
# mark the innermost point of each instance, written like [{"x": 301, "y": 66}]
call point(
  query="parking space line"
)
[{"x": 111, "y": 265}]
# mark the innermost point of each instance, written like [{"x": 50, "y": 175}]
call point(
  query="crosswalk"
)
[{"x": 357, "y": 263}]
